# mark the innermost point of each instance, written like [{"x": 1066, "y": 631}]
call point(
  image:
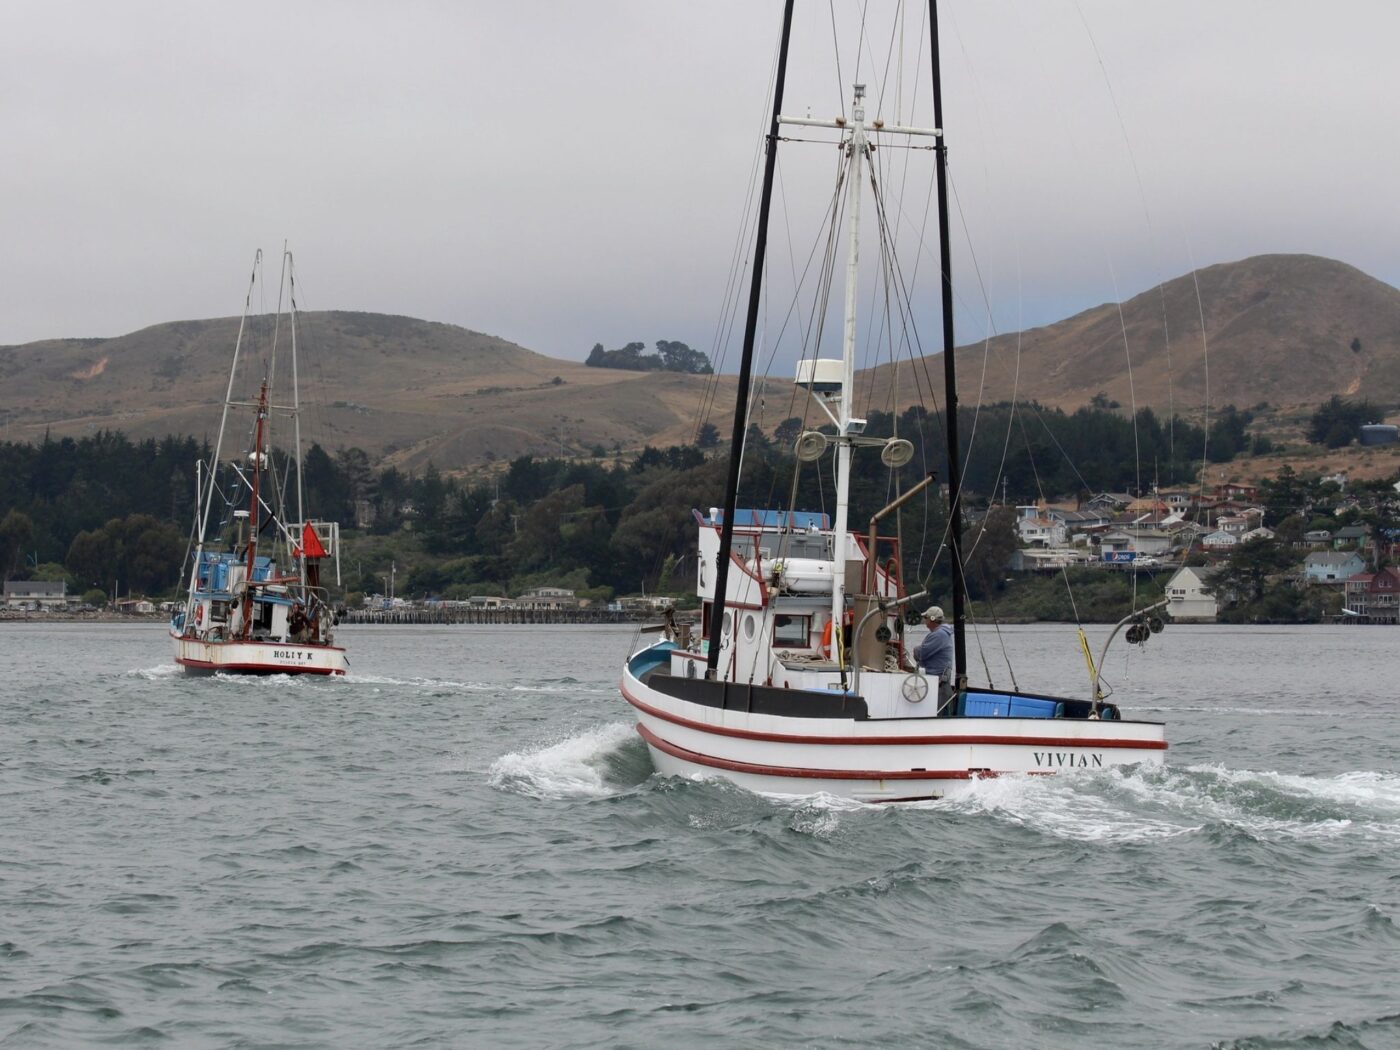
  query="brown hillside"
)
[
  {"x": 1278, "y": 328},
  {"x": 408, "y": 390}
]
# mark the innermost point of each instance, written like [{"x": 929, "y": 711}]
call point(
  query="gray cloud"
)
[{"x": 559, "y": 174}]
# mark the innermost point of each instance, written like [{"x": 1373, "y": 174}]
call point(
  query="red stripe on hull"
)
[
  {"x": 792, "y": 738},
  {"x": 203, "y": 665},
  {"x": 255, "y": 641},
  {"x": 797, "y": 771}
]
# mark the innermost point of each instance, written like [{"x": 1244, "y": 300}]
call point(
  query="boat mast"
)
[
  {"x": 219, "y": 441},
  {"x": 296, "y": 416},
  {"x": 741, "y": 399},
  {"x": 856, "y": 150},
  {"x": 950, "y": 377},
  {"x": 254, "y": 515}
]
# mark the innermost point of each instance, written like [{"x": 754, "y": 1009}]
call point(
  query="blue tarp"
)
[{"x": 773, "y": 519}]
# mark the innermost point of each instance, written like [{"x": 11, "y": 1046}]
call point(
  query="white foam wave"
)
[
  {"x": 567, "y": 690},
  {"x": 472, "y": 687},
  {"x": 1218, "y": 709},
  {"x": 273, "y": 681},
  {"x": 1061, "y": 807},
  {"x": 1371, "y": 794},
  {"x": 570, "y": 768},
  {"x": 1146, "y": 803},
  {"x": 355, "y": 678},
  {"x": 160, "y": 671}
]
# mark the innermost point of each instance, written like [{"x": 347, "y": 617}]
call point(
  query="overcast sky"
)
[{"x": 560, "y": 174}]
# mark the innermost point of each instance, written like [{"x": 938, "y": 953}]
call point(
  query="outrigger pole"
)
[
  {"x": 950, "y": 376},
  {"x": 741, "y": 399}
]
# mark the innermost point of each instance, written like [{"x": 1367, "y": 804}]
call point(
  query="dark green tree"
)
[{"x": 16, "y": 533}]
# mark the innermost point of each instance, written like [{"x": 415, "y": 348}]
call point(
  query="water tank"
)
[{"x": 1380, "y": 434}]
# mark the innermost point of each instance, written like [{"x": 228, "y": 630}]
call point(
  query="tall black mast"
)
[
  {"x": 950, "y": 377},
  {"x": 741, "y": 397}
]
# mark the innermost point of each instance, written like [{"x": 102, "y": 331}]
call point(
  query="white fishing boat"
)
[
  {"x": 800, "y": 679},
  {"x": 255, "y": 601}
]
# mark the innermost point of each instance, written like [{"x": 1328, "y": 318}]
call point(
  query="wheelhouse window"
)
[{"x": 792, "y": 631}]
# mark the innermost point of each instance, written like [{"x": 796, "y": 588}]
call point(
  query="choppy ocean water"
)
[{"x": 463, "y": 844}]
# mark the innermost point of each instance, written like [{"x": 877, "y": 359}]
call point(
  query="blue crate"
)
[{"x": 1008, "y": 705}]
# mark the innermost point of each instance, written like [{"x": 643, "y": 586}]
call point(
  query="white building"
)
[
  {"x": 1036, "y": 529},
  {"x": 36, "y": 595},
  {"x": 548, "y": 598},
  {"x": 1220, "y": 540},
  {"x": 1186, "y": 595}
]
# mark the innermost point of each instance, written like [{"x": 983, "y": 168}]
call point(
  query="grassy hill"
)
[
  {"x": 406, "y": 389},
  {"x": 1286, "y": 329},
  {"x": 1291, "y": 330}
]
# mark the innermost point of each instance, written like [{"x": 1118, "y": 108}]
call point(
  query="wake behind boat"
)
[
  {"x": 256, "y": 603},
  {"x": 801, "y": 680}
]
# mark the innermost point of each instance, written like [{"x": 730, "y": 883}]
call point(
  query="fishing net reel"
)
[{"x": 1143, "y": 628}]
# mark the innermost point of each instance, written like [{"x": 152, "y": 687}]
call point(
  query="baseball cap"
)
[{"x": 933, "y": 612}]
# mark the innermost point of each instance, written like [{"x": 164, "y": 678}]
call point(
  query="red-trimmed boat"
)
[
  {"x": 257, "y": 605},
  {"x": 800, "y": 679}
]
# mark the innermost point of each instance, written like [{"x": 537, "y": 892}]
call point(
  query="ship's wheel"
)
[{"x": 914, "y": 688}]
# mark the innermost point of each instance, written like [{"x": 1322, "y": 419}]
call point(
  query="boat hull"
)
[
  {"x": 239, "y": 657},
  {"x": 872, "y": 760}
]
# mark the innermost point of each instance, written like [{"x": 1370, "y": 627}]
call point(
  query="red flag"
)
[{"x": 311, "y": 543}]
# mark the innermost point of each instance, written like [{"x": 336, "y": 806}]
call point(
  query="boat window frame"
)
[
  {"x": 750, "y": 626},
  {"x": 806, "y": 621}
]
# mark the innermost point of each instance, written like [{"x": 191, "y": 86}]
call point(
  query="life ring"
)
[{"x": 849, "y": 622}]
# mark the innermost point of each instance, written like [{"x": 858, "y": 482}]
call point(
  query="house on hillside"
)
[
  {"x": 1110, "y": 501},
  {"x": 1035, "y": 528},
  {"x": 36, "y": 595},
  {"x": 1332, "y": 567},
  {"x": 1212, "y": 510},
  {"x": 1373, "y": 597},
  {"x": 1220, "y": 541},
  {"x": 1045, "y": 559},
  {"x": 1147, "y": 508},
  {"x": 1316, "y": 539},
  {"x": 1079, "y": 521},
  {"x": 1139, "y": 539},
  {"x": 1178, "y": 501},
  {"x": 1232, "y": 491},
  {"x": 1188, "y": 600},
  {"x": 1350, "y": 537}
]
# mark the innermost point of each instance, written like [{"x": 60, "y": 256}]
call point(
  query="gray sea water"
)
[{"x": 464, "y": 845}]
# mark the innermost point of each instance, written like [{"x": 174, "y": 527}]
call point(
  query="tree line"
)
[
  {"x": 670, "y": 356},
  {"x": 104, "y": 508}
]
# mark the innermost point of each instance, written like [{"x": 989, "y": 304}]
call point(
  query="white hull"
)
[
  {"x": 872, "y": 759},
  {"x": 236, "y": 657}
]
